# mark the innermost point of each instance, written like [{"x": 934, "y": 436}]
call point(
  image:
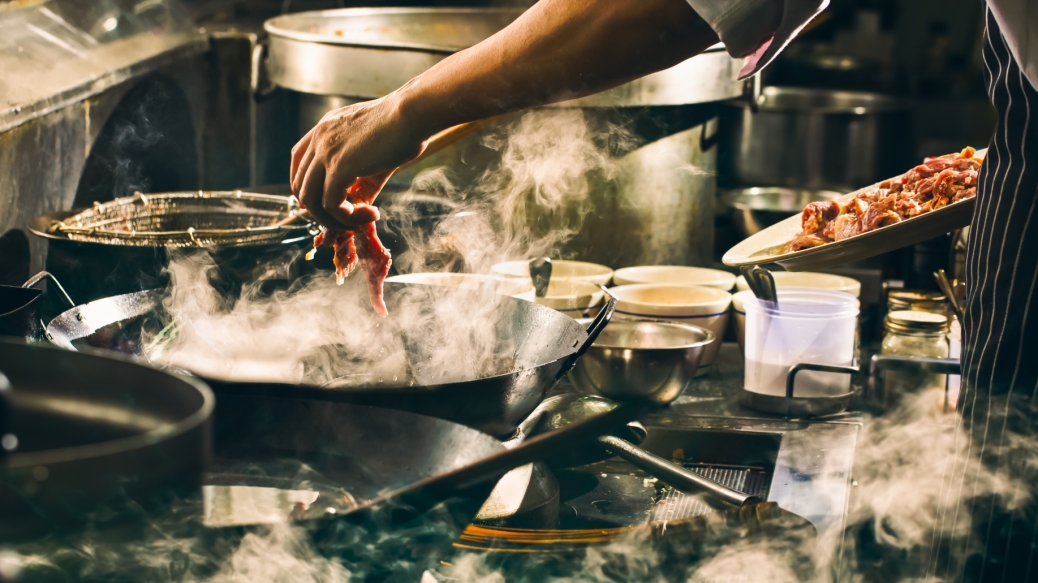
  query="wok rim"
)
[{"x": 157, "y": 294}]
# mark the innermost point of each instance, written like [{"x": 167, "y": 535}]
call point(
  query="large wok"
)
[{"x": 534, "y": 347}]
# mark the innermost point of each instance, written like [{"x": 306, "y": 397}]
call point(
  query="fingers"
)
[
  {"x": 311, "y": 194},
  {"x": 304, "y": 166},
  {"x": 337, "y": 203},
  {"x": 298, "y": 151},
  {"x": 354, "y": 215}
]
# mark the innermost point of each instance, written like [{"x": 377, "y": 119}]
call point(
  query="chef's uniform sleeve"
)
[{"x": 757, "y": 30}]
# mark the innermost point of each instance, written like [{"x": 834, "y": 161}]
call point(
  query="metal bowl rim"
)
[
  {"x": 735, "y": 197},
  {"x": 880, "y": 103},
  {"x": 123, "y": 444},
  {"x": 709, "y": 336}
]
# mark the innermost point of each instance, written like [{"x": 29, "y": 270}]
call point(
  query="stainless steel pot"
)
[{"x": 812, "y": 138}]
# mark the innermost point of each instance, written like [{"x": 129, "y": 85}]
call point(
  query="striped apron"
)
[{"x": 991, "y": 535}]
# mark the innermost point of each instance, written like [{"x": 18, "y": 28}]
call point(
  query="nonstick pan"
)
[{"x": 535, "y": 347}]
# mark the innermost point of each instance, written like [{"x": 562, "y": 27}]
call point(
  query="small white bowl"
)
[
  {"x": 503, "y": 285},
  {"x": 809, "y": 279},
  {"x": 575, "y": 298},
  {"x": 561, "y": 269},
  {"x": 678, "y": 274},
  {"x": 706, "y": 307}
]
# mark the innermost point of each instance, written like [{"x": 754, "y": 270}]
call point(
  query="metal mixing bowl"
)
[
  {"x": 641, "y": 359},
  {"x": 755, "y": 209}
]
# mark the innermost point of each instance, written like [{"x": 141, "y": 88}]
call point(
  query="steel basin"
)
[{"x": 640, "y": 359}]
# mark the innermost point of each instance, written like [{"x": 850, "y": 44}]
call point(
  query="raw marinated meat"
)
[
  {"x": 935, "y": 183},
  {"x": 817, "y": 214},
  {"x": 358, "y": 246}
]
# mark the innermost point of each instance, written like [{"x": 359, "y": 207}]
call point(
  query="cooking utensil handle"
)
[
  {"x": 600, "y": 322},
  {"x": 946, "y": 287},
  {"x": 717, "y": 495},
  {"x": 593, "y": 330},
  {"x": 424, "y": 494},
  {"x": 47, "y": 275},
  {"x": 791, "y": 376}
]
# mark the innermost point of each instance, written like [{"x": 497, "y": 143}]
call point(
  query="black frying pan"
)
[
  {"x": 540, "y": 345},
  {"x": 83, "y": 430}
]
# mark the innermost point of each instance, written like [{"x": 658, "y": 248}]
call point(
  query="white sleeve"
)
[
  {"x": 1018, "y": 20},
  {"x": 757, "y": 30}
]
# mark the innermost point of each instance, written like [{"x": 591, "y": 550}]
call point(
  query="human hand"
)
[{"x": 341, "y": 165}]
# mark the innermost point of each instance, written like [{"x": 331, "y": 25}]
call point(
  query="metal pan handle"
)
[
  {"x": 47, "y": 275},
  {"x": 593, "y": 330},
  {"x": 599, "y": 323}
]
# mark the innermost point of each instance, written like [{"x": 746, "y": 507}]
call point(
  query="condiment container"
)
[
  {"x": 913, "y": 333},
  {"x": 806, "y": 326},
  {"x": 908, "y": 299}
]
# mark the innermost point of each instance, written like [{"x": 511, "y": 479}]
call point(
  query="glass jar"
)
[
  {"x": 908, "y": 299},
  {"x": 914, "y": 333}
]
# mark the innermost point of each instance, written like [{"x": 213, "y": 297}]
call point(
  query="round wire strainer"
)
[{"x": 189, "y": 219}]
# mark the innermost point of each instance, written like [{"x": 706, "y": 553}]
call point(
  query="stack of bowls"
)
[
  {"x": 561, "y": 269},
  {"x": 575, "y": 288},
  {"x": 786, "y": 279},
  {"x": 685, "y": 295},
  {"x": 575, "y": 298}
]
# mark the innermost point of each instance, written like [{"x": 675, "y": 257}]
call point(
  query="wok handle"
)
[
  {"x": 599, "y": 323},
  {"x": 47, "y": 275},
  {"x": 717, "y": 495},
  {"x": 596, "y": 327}
]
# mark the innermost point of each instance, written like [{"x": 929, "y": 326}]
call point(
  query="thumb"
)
[{"x": 366, "y": 188}]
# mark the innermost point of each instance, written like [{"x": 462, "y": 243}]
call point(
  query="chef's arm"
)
[{"x": 557, "y": 50}]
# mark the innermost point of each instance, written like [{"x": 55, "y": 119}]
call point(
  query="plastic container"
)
[{"x": 807, "y": 326}]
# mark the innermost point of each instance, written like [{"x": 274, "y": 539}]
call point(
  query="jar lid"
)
[
  {"x": 916, "y": 322},
  {"x": 903, "y": 299}
]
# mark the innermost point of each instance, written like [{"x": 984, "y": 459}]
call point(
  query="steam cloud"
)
[{"x": 527, "y": 204}]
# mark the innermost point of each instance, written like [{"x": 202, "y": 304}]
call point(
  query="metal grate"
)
[
  {"x": 188, "y": 219},
  {"x": 674, "y": 505}
]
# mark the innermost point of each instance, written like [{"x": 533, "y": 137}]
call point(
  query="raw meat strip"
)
[{"x": 359, "y": 246}]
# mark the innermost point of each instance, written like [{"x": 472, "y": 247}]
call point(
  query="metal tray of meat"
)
[{"x": 771, "y": 246}]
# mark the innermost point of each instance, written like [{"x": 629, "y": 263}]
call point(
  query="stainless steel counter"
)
[{"x": 811, "y": 468}]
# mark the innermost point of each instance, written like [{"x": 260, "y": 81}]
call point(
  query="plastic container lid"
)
[
  {"x": 905, "y": 299},
  {"x": 915, "y": 322},
  {"x": 806, "y": 303}
]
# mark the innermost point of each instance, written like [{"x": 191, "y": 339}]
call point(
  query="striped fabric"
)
[{"x": 1000, "y": 349}]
